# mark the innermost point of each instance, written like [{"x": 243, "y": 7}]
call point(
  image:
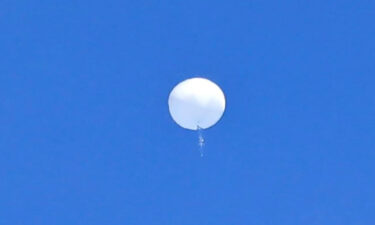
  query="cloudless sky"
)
[{"x": 86, "y": 136}]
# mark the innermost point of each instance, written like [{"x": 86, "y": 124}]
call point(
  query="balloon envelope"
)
[{"x": 196, "y": 103}]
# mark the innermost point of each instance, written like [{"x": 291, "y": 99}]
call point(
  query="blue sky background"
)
[{"x": 86, "y": 136}]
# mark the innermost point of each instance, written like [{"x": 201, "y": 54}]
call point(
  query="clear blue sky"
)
[{"x": 86, "y": 136}]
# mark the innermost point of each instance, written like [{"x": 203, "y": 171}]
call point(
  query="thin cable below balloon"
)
[{"x": 200, "y": 140}]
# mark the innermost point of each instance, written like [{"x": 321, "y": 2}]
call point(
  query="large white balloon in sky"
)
[{"x": 196, "y": 103}]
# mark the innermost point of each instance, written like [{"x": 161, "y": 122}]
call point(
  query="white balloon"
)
[{"x": 196, "y": 103}]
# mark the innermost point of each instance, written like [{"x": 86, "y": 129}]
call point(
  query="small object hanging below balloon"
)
[
  {"x": 200, "y": 140},
  {"x": 197, "y": 104}
]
